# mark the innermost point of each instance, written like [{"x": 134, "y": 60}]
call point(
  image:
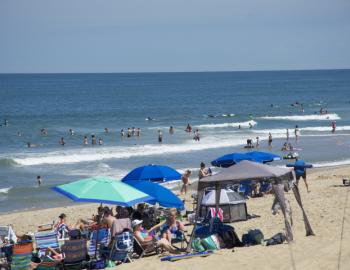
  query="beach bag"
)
[
  {"x": 277, "y": 239},
  {"x": 253, "y": 237},
  {"x": 96, "y": 264},
  {"x": 209, "y": 243},
  {"x": 197, "y": 245},
  {"x": 230, "y": 238}
]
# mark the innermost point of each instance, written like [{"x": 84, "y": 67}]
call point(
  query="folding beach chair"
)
[
  {"x": 145, "y": 250},
  {"x": 47, "y": 263},
  {"x": 122, "y": 247},
  {"x": 45, "y": 240},
  {"x": 21, "y": 257},
  {"x": 75, "y": 252},
  {"x": 179, "y": 237},
  {"x": 97, "y": 239},
  {"x": 6, "y": 232}
]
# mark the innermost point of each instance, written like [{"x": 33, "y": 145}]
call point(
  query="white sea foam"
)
[
  {"x": 320, "y": 117},
  {"x": 123, "y": 152},
  {"x": 5, "y": 190},
  {"x": 332, "y": 163},
  {"x": 226, "y": 125},
  {"x": 291, "y": 130}
]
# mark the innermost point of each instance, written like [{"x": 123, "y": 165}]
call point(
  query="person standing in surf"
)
[
  {"x": 39, "y": 180},
  {"x": 62, "y": 142},
  {"x": 287, "y": 134},
  {"x": 160, "y": 136},
  {"x": 334, "y": 126},
  {"x": 270, "y": 140},
  {"x": 297, "y": 132}
]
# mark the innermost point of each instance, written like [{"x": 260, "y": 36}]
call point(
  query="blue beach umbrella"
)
[
  {"x": 161, "y": 195},
  {"x": 103, "y": 190},
  {"x": 228, "y": 160},
  {"x": 154, "y": 173},
  {"x": 263, "y": 157}
]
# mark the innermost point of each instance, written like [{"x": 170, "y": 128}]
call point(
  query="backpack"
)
[
  {"x": 277, "y": 239},
  {"x": 253, "y": 237},
  {"x": 230, "y": 238}
]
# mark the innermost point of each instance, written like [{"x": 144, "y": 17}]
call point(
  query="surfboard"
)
[{"x": 187, "y": 256}]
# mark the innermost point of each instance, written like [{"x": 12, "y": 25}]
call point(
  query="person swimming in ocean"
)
[
  {"x": 100, "y": 141},
  {"x": 196, "y": 135},
  {"x": 122, "y": 133},
  {"x": 6, "y": 122},
  {"x": 31, "y": 145},
  {"x": 129, "y": 133},
  {"x": 334, "y": 126},
  {"x": 39, "y": 180},
  {"x": 44, "y": 132},
  {"x": 188, "y": 128},
  {"x": 106, "y": 130},
  {"x": 160, "y": 136},
  {"x": 62, "y": 142},
  {"x": 85, "y": 140},
  {"x": 93, "y": 139},
  {"x": 257, "y": 142},
  {"x": 138, "y": 132},
  {"x": 71, "y": 132},
  {"x": 250, "y": 125},
  {"x": 171, "y": 130},
  {"x": 133, "y": 131}
]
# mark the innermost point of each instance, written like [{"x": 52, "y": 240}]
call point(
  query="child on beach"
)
[{"x": 185, "y": 181}]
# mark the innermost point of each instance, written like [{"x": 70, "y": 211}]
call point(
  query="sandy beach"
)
[{"x": 325, "y": 206}]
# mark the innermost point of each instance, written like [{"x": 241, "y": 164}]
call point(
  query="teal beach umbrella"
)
[{"x": 102, "y": 189}]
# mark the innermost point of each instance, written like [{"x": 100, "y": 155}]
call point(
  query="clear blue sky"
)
[{"x": 173, "y": 35}]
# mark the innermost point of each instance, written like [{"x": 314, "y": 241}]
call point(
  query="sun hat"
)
[{"x": 136, "y": 222}]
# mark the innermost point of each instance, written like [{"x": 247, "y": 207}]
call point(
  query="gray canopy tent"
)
[{"x": 247, "y": 170}]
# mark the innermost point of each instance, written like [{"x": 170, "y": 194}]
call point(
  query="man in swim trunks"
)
[{"x": 300, "y": 171}]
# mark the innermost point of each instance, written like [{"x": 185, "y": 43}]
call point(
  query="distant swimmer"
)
[
  {"x": 31, "y": 145},
  {"x": 100, "y": 141},
  {"x": 297, "y": 132},
  {"x": 44, "y": 132},
  {"x": 160, "y": 136},
  {"x": 287, "y": 134},
  {"x": 19, "y": 134},
  {"x": 129, "y": 133},
  {"x": 133, "y": 131},
  {"x": 257, "y": 142},
  {"x": 85, "y": 140},
  {"x": 39, "y": 180},
  {"x": 138, "y": 132},
  {"x": 106, "y": 130},
  {"x": 93, "y": 139},
  {"x": 188, "y": 128},
  {"x": 250, "y": 125},
  {"x": 171, "y": 130},
  {"x": 122, "y": 133},
  {"x": 239, "y": 126},
  {"x": 334, "y": 126},
  {"x": 6, "y": 122},
  {"x": 62, "y": 142},
  {"x": 150, "y": 119},
  {"x": 71, "y": 132}
]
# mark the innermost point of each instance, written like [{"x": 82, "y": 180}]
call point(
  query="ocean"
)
[{"x": 217, "y": 103}]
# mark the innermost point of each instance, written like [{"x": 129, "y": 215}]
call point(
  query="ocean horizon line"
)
[{"x": 177, "y": 72}]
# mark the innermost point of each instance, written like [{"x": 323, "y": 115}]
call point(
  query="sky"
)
[{"x": 47, "y": 36}]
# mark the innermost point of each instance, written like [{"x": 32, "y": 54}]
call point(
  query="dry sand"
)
[{"x": 325, "y": 206}]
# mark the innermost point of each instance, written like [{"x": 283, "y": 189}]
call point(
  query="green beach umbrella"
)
[{"x": 102, "y": 189}]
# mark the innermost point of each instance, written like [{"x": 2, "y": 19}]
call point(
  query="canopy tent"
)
[
  {"x": 247, "y": 170},
  {"x": 228, "y": 160},
  {"x": 103, "y": 190},
  {"x": 163, "y": 196},
  {"x": 231, "y": 202},
  {"x": 153, "y": 173}
]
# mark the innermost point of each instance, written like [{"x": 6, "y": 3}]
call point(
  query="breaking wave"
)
[
  {"x": 318, "y": 117},
  {"x": 5, "y": 190},
  {"x": 226, "y": 125}
]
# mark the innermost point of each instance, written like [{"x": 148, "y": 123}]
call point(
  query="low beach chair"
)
[
  {"x": 149, "y": 249},
  {"x": 75, "y": 252},
  {"x": 6, "y": 232},
  {"x": 21, "y": 257},
  {"x": 47, "y": 263},
  {"x": 44, "y": 240},
  {"x": 122, "y": 247},
  {"x": 98, "y": 238},
  {"x": 179, "y": 237}
]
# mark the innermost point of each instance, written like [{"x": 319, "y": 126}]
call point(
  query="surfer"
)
[{"x": 39, "y": 180}]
